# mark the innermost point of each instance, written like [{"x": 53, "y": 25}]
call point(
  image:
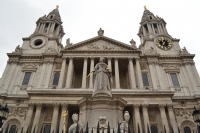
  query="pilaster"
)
[
  {"x": 37, "y": 117},
  {"x": 163, "y": 117},
  {"x": 55, "y": 117}
]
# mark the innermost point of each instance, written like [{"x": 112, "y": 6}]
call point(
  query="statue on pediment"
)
[
  {"x": 18, "y": 48},
  {"x": 102, "y": 77},
  {"x": 68, "y": 43},
  {"x": 73, "y": 127},
  {"x": 133, "y": 43},
  {"x": 100, "y": 32},
  {"x": 124, "y": 124}
]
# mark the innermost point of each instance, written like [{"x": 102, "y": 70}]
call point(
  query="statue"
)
[
  {"x": 102, "y": 75},
  {"x": 18, "y": 49},
  {"x": 100, "y": 32},
  {"x": 68, "y": 43},
  {"x": 72, "y": 128},
  {"x": 124, "y": 124},
  {"x": 133, "y": 43},
  {"x": 184, "y": 49}
]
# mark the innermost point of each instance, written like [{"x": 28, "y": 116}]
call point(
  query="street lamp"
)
[{"x": 4, "y": 111}]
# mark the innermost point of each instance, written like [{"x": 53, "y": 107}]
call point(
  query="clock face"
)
[{"x": 164, "y": 43}]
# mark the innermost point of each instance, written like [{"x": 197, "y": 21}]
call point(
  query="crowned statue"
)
[{"x": 102, "y": 79}]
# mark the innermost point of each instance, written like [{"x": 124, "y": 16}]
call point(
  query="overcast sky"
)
[{"x": 82, "y": 19}]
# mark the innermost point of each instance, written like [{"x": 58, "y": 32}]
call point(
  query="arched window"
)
[
  {"x": 56, "y": 78},
  {"x": 154, "y": 129},
  {"x": 145, "y": 79},
  {"x": 187, "y": 130},
  {"x": 13, "y": 129},
  {"x": 47, "y": 128}
]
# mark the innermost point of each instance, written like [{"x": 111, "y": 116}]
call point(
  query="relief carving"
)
[
  {"x": 184, "y": 112},
  {"x": 48, "y": 114},
  {"x": 20, "y": 111},
  {"x": 103, "y": 46}
]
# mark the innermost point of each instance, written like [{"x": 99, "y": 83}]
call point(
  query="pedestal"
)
[{"x": 93, "y": 107}]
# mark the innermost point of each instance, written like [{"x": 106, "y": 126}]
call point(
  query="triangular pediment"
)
[
  {"x": 100, "y": 43},
  {"x": 29, "y": 67},
  {"x": 172, "y": 69}
]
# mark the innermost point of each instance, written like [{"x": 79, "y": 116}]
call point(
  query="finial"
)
[
  {"x": 57, "y": 6},
  {"x": 145, "y": 8}
]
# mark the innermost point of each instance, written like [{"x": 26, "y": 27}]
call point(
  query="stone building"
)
[{"x": 157, "y": 82}]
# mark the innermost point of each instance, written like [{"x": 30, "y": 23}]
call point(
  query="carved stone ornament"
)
[
  {"x": 150, "y": 51},
  {"x": 102, "y": 122},
  {"x": 183, "y": 103},
  {"x": 18, "y": 49},
  {"x": 161, "y": 107},
  {"x": 48, "y": 114},
  {"x": 184, "y": 112},
  {"x": 103, "y": 46},
  {"x": 18, "y": 102},
  {"x": 152, "y": 116},
  {"x": 18, "y": 111},
  {"x": 133, "y": 43},
  {"x": 136, "y": 106},
  {"x": 51, "y": 49}
]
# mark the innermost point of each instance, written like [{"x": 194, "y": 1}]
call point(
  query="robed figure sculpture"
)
[{"x": 102, "y": 79}]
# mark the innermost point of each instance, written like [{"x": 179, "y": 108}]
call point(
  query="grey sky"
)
[{"x": 82, "y": 19}]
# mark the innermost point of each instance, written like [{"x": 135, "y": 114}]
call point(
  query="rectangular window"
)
[
  {"x": 56, "y": 78},
  {"x": 26, "y": 78},
  {"x": 174, "y": 79},
  {"x": 145, "y": 79}
]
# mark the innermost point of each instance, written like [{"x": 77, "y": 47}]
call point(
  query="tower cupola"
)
[
  {"x": 151, "y": 26},
  {"x": 50, "y": 25}
]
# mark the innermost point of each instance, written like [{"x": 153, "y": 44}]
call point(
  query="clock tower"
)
[{"x": 154, "y": 36}]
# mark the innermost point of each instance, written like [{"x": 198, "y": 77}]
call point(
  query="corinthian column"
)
[
  {"x": 132, "y": 74},
  {"x": 151, "y": 67},
  {"x": 91, "y": 69},
  {"x": 172, "y": 118},
  {"x": 84, "y": 73},
  {"x": 117, "y": 82},
  {"x": 138, "y": 73},
  {"x": 69, "y": 73},
  {"x": 136, "y": 108},
  {"x": 37, "y": 117},
  {"x": 28, "y": 116},
  {"x": 55, "y": 117},
  {"x": 62, "y": 73},
  {"x": 145, "y": 117},
  {"x": 48, "y": 75},
  {"x": 163, "y": 117},
  {"x": 64, "y": 108}
]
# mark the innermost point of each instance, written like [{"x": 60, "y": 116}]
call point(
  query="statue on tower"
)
[{"x": 102, "y": 81}]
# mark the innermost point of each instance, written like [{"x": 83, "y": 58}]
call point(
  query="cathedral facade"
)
[{"x": 156, "y": 83}]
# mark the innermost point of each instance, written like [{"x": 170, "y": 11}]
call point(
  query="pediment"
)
[
  {"x": 29, "y": 67},
  {"x": 100, "y": 43}
]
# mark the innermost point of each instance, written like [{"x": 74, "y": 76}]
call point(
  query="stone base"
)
[
  {"x": 102, "y": 93},
  {"x": 94, "y": 107}
]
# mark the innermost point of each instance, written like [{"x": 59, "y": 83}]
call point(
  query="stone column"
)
[
  {"x": 55, "y": 117},
  {"x": 62, "y": 73},
  {"x": 191, "y": 76},
  {"x": 163, "y": 117},
  {"x": 84, "y": 73},
  {"x": 132, "y": 74},
  {"x": 172, "y": 118},
  {"x": 117, "y": 81},
  {"x": 160, "y": 77},
  {"x": 28, "y": 117},
  {"x": 91, "y": 69},
  {"x": 144, "y": 31},
  {"x": 10, "y": 75},
  {"x": 69, "y": 73},
  {"x": 48, "y": 75},
  {"x": 37, "y": 117},
  {"x": 151, "y": 67},
  {"x": 41, "y": 76},
  {"x": 146, "y": 117},
  {"x": 138, "y": 73},
  {"x": 64, "y": 108},
  {"x": 136, "y": 108}
]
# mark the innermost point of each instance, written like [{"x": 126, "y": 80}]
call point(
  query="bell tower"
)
[
  {"x": 154, "y": 36},
  {"x": 47, "y": 36}
]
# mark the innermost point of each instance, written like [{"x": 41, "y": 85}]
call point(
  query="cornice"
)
[{"x": 102, "y": 51}]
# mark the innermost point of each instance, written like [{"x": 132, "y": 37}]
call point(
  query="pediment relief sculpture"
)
[{"x": 150, "y": 51}]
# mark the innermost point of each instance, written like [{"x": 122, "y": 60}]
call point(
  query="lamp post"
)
[
  {"x": 196, "y": 117},
  {"x": 4, "y": 111}
]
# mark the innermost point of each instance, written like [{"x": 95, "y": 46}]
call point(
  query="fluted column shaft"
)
[
  {"x": 84, "y": 73},
  {"x": 28, "y": 116},
  {"x": 117, "y": 82},
  {"x": 172, "y": 118},
  {"x": 132, "y": 74},
  {"x": 139, "y": 74},
  {"x": 91, "y": 69},
  {"x": 37, "y": 117},
  {"x": 159, "y": 75},
  {"x": 10, "y": 75},
  {"x": 69, "y": 73},
  {"x": 48, "y": 75},
  {"x": 151, "y": 67},
  {"x": 146, "y": 117},
  {"x": 62, "y": 73},
  {"x": 54, "y": 118},
  {"x": 163, "y": 117},
  {"x": 41, "y": 76},
  {"x": 64, "y": 108},
  {"x": 191, "y": 76},
  {"x": 136, "y": 108}
]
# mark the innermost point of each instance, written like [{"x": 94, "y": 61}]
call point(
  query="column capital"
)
[
  {"x": 109, "y": 57},
  {"x": 130, "y": 58},
  {"x": 30, "y": 105},
  {"x": 136, "y": 106},
  {"x": 64, "y": 105},
  {"x": 137, "y": 58},
  {"x": 170, "y": 106},
  {"x": 161, "y": 107},
  {"x": 145, "y": 106},
  {"x": 56, "y": 106},
  {"x": 85, "y": 57},
  {"x": 38, "y": 106},
  {"x": 92, "y": 57},
  {"x": 71, "y": 58},
  {"x": 116, "y": 58}
]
